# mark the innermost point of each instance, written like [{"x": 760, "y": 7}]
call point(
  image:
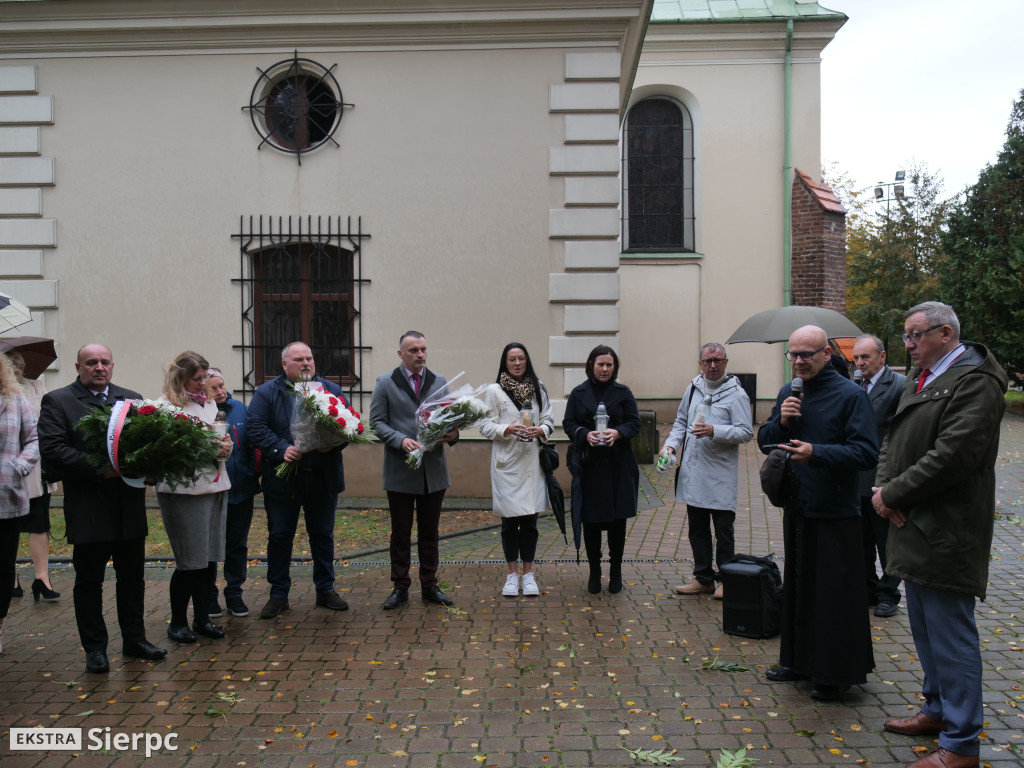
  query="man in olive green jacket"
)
[{"x": 936, "y": 478}]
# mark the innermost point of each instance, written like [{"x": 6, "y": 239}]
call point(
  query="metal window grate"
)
[{"x": 301, "y": 280}]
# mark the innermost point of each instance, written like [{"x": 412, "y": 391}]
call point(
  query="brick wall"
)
[{"x": 819, "y": 246}]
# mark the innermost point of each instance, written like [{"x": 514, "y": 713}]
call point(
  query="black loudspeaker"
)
[{"x": 752, "y": 597}]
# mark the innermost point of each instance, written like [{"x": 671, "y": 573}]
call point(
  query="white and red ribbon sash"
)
[{"x": 118, "y": 414}]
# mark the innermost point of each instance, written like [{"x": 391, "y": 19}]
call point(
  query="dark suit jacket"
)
[
  {"x": 884, "y": 397},
  {"x": 393, "y": 408},
  {"x": 95, "y": 509},
  {"x": 269, "y": 423}
]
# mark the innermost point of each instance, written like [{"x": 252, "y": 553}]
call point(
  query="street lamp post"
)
[{"x": 892, "y": 191}]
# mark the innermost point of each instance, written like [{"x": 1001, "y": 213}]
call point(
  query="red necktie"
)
[
  {"x": 924, "y": 375},
  {"x": 416, "y": 384}
]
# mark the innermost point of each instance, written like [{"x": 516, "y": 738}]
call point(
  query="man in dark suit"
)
[
  {"x": 313, "y": 487},
  {"x": 106, "y": 518},
  {"x": 884, "y": 387},
  {"x": 420, "y": 492}
]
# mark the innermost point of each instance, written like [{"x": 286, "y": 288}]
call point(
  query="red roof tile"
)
[{"x": 822, "y": 193}]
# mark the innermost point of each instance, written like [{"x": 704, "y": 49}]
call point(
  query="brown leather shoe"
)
[
  {"x": 943, "y": 758},
  {"x": 918, "y": 725},
  {"x": 694, "y": 587}
]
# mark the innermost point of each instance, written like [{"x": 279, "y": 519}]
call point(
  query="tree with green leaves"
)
[{"x": 983, "y": 276}]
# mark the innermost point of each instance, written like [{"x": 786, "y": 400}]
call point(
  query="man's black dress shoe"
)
[
  {"x": 96, "y": 661},
  {"x": 782, "y": 674},
  {"x": 143, "y": 650},
  {"x": 823, "y": 692},
  {"x": 208, "y": 630},
  {"x": 181, "y": 634},
  {"x": 436, "y": 596},
  {"x": 885, "y": 609},
  {"x": 397, "y": 597}
]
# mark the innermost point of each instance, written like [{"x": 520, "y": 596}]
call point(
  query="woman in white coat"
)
[{"x": 520, "y": 418}]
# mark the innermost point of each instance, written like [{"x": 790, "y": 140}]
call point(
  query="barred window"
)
[
  {"x": 301, "y": 283},
  {"x": 657, "y": 173}
]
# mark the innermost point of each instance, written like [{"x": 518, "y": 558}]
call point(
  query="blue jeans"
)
[
  {"x": 946, "y": 637},
  {"x": 308, "y": 493}
]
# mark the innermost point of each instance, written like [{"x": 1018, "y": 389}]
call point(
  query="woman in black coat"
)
[{"x": 609, "y": 476}]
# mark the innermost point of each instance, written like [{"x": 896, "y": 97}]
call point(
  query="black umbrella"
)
[
  {"x": 574, "y": 460},
  {"x": 38, "y": 353},
  {"x": 556, "y": 497}
]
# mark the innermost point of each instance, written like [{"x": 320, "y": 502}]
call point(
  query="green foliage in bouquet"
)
[{"x": 158, "y": 442}]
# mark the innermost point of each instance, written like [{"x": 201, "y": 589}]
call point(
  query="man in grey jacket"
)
[
  {"x": 884, "y": 387},
  {"x": 715, "y": 410},
  {"x": 411, "y": 492}
]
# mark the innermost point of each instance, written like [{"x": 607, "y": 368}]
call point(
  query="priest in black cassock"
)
[{"x": 829, "y": 431}]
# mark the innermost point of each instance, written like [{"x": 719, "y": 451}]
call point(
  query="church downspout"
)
[{"x": 787, "y": 171}]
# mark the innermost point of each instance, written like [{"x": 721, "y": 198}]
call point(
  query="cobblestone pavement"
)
[{"x": 564, "y": 679}]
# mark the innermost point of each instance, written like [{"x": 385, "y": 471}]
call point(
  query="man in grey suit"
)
[
  {"x": 884, "y": 387},
  {"x": 420, "y": 492}
]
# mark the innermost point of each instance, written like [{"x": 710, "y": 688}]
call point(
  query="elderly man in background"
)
[
  {"x": 715, "y": 411},
  {"x": 884, "y": 387},
  {"x": 105, "y": 517},
  {"x": 936, "y": 486},
  {"x": 829, "y": 432}
]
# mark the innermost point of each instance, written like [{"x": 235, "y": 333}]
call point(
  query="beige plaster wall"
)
[{"x": 444, "y": 156}]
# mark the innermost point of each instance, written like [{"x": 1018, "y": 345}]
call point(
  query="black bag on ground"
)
[{"x": 752, "y": 596}]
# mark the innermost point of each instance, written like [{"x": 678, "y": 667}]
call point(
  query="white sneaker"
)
[
  {"x": 530, "y": 584},
  {"x": 511, "y": 588}
]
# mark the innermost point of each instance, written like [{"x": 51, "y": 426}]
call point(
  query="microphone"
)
[
  {"x": 798, "y": 387},
  {"x": 858, "y": 377}
]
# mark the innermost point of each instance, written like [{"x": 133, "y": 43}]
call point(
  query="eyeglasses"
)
[
  {"x": 916, "y": 335},
  {"x": 805, "y": 356},
  {"x": 714, "y": 361}
]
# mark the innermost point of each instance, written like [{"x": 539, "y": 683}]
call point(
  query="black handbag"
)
[{"x": 548, "y": 458}]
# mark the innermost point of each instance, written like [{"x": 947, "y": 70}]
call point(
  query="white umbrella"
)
[
  {"x": 777, "y": 324},
  {"x": 12, "y": 313}
]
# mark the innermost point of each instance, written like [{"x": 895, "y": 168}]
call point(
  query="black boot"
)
[
  {"x": 594, "y": 582},
  {"x": 592, "y": 542},
  {"x": 616, "y": 546},
  {"x": 615, "y": 577}
]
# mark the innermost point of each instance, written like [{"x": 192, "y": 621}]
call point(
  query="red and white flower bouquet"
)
[{"x": 323, "y": 420}]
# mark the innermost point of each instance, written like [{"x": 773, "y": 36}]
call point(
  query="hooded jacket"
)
[{"x": 937, "y": 466}]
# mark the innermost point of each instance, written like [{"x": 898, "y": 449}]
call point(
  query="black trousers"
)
[
  {"x": 90, "y": 561},
  {"x": 700, "y": 519},
  {"x": 519, "y": 538},
  {"x": 876, "y": 534},
  {"x": 10, "y": 530},
  {"x": 426, "y": 508},
  {"x": 616, "y": 540}
]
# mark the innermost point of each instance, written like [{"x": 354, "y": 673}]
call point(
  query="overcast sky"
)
[{"x": 932, "y": 80}]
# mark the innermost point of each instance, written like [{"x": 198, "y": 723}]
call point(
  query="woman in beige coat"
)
[
  {"x": 195, "y": 515},
  {"x": 520, "y": 418}
]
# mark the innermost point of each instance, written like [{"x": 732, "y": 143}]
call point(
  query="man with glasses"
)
[
  {"x": 710, "y": 457},
  {"x": 936, "y": 486},
  {"x": 884, "y": 387},
  {"x": 829, "y": 432}
]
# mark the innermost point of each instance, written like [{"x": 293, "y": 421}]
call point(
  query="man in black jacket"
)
[
  {"x": 829, "y": 432},
  {"x": 884, "y": 387},
  {"x": 106, "y": 518}
]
